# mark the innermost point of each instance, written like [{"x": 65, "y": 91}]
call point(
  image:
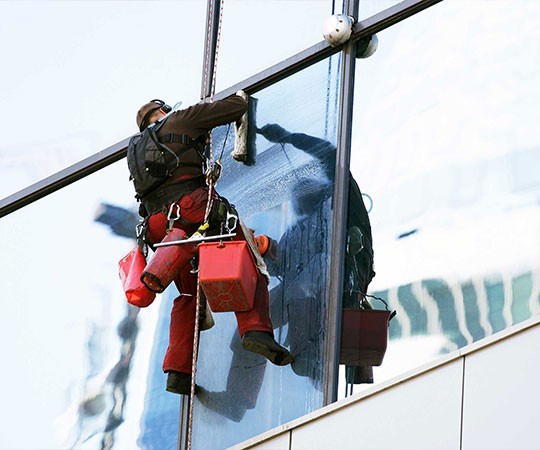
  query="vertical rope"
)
[
  {"x": 207, "y": 212},
  {"x": 194, "y": 366}
]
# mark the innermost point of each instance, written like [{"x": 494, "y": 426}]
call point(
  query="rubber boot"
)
[
  {"x": 178, "y": 382},
  {"x": 263, "y": 343}
]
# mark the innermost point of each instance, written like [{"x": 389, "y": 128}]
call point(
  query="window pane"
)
[
  {"x": 368, "y": 8},
  {"x": 75, "y": 356},
  {"x": 257, "y": 34},
  {"x": 79, "y": 71},
  {"x": 286, "y": 195},
  {"x": 447, "y": 147}
]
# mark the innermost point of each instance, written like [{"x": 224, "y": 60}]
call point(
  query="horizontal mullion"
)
[{"x": 63, "y": 178}]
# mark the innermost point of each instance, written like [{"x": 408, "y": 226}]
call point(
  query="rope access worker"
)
[{"x": 185, "y": 193}]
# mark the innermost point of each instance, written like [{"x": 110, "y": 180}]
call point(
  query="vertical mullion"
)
[
  {"x": 210, "y": 45},
  {"x": 339, "y": 214}
]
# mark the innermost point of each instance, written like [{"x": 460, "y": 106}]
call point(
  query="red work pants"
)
[{"x": 182, "y": 328}]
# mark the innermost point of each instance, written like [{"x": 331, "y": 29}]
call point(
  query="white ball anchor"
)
[{"x": 337, "y": 29}]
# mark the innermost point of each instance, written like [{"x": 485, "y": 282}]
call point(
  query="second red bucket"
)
[{"x": 228, "y": 275}]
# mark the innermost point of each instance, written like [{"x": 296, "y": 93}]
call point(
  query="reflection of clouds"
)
[
  {"x": 475, "y": 103},
  {"x": 460, "y": 247}
]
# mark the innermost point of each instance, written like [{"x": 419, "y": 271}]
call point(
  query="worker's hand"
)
[
  {"x": 274, "y": 133},
  {"x": 242, "y": 94}
]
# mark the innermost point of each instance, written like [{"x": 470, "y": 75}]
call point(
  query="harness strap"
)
[
  {"x": 181, "y": 139},
  {"x": 163, "y": 195},
  {"x": 197, "y": 144}
]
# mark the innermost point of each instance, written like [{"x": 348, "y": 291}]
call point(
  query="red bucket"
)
[
  {"x": 227, "y": 275},
  {"x": 167, "y": 262},
  {"x": 130, "y": 268},
  {"x": 364, "y": 336}
]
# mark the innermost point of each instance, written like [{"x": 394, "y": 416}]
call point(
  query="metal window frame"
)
[
  {"x": 339, "y": 215},
  {"x": 263, "y": 79}
]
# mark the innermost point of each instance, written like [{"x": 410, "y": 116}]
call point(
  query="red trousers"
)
[{"x": 182, "y": 328}]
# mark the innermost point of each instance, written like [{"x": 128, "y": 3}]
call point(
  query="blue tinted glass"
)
[
  {"x": 159, "y": 419},
  {"x": 286, "y": 194},
  {"x": 448, "y": 153}
]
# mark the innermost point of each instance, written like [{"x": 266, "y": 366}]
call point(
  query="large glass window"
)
[
  {"x": 259, "y": 33},
  {"x": 74, "y": 355},
  {"x": 368, "y": 8},
  {"x": 446, "y": 146},
  {"x": 285, "y": 193},
  {"x": 77, "y": 72}
]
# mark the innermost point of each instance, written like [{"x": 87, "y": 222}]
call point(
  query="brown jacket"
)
[{"x": 197, "y": 121}]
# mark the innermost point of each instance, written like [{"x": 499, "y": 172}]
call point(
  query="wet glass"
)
[
  {"x": 75, "y": 355},
  {"x": 445, "y": 147},
  {"x": 285, "y": 192},
  {"x": 258, "y": 34}
]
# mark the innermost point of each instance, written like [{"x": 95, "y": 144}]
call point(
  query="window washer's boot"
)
[
  {"x": 178, "y": 382},
  {"x": 263, "y": 343}
]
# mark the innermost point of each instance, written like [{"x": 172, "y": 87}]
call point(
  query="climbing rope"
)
[{"x": 211, "y": 179}]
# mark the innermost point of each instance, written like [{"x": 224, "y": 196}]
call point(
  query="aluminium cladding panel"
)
[
  {"x": 280, "y": 442},
  {"x": 421, "y": 413},
  {"x": 502, "y": 394},
  {"x": 286, "y": 193}
]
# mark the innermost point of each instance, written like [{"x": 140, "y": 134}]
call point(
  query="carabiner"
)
[
  {"x": 231, "y": 221},
  {"x": 174, "y": 208}
]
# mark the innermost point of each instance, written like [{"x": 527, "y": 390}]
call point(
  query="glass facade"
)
[
  {"x": 448, "y": 153},
  {"x": 80, "y": 70},
  {"x": 73, "y": 351},
  {"x": 269, "y": 32},
  {"x": 160, "y": 416},
  {"x": 285, "y": 193},
  {"x": 369, "y": 8},
  {"x": 445, "y": 151}
]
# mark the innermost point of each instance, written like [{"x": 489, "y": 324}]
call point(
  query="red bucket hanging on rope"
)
[
  {"x": 227, "y": 275},
  {"x": 364, "y": 336},
  {"x": 130, "y": 268}
]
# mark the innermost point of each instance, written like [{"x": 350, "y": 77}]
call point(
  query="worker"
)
[{"x": 184, "y": 193}]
